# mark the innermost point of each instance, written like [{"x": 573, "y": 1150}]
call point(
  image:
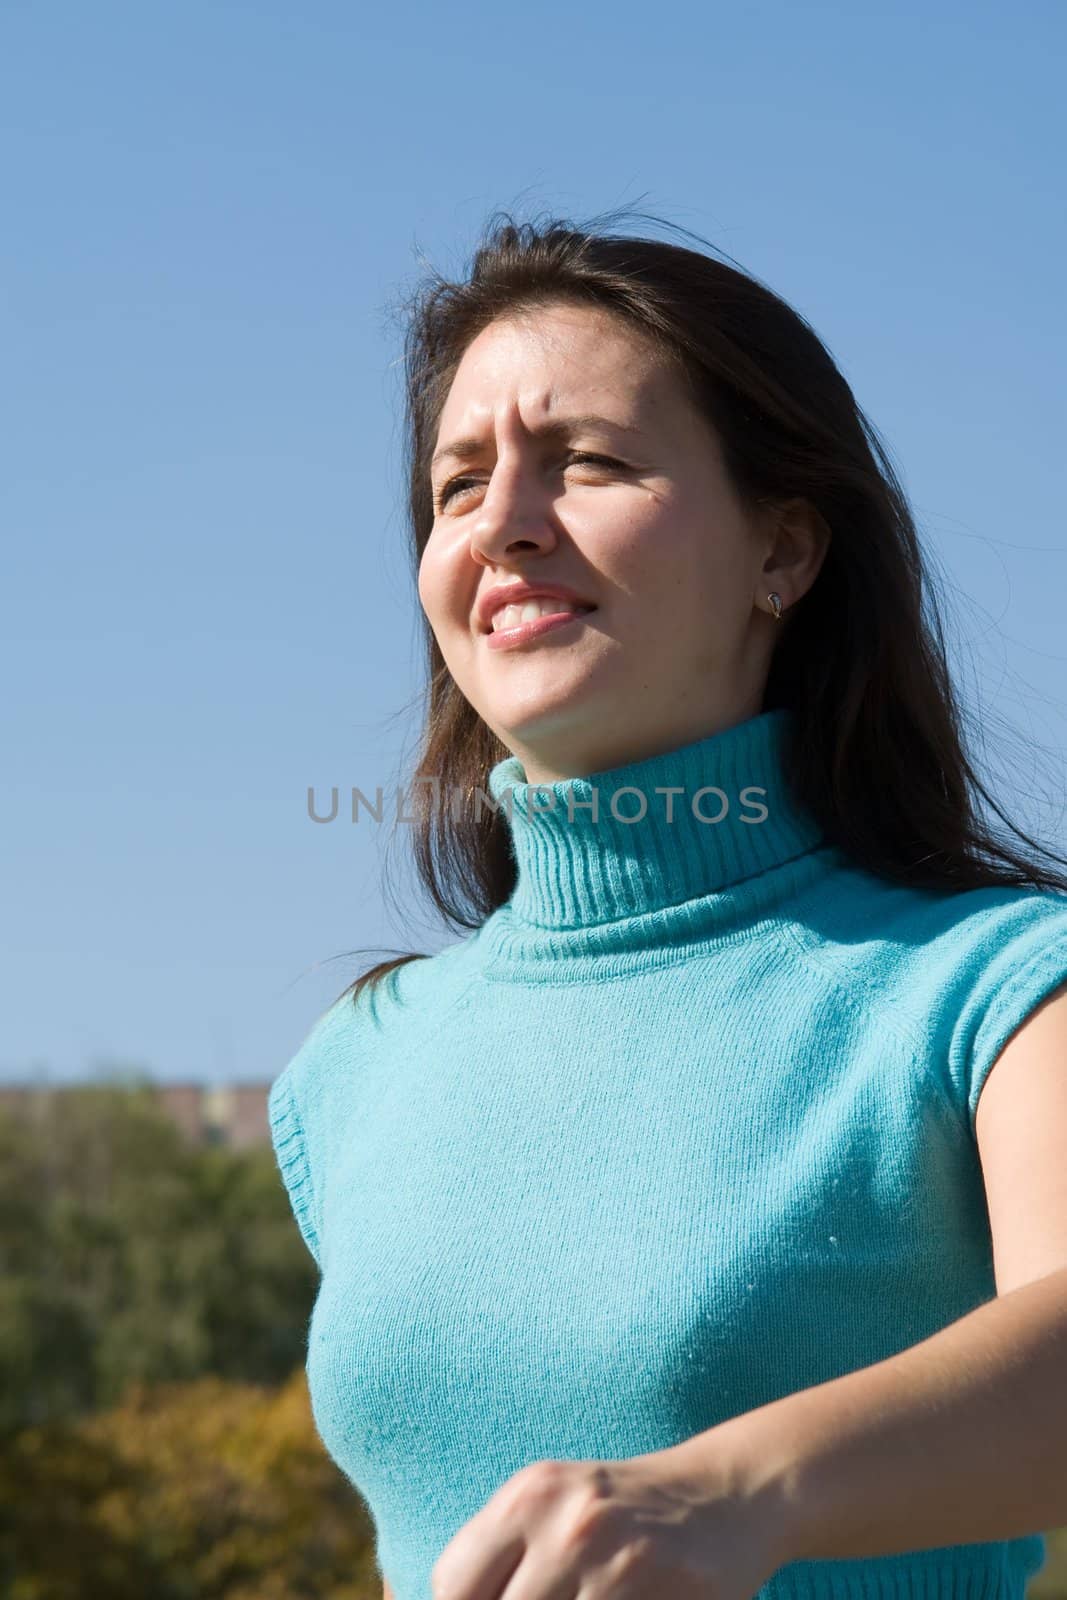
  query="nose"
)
[{"x": 513, "y": 515}]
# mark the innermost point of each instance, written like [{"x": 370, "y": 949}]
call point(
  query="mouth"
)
[
  {"x": 509, "y": 618},
  {"x": 520, "y": 633}
]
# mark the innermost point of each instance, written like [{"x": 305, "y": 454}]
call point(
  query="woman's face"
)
[{"x": 679, "y": 641}]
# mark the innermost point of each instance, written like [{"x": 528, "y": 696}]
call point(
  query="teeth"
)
[{"x": 511, "y": 616}]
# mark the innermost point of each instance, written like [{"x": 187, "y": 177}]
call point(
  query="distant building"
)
[{"x": 233, "y": 1114}]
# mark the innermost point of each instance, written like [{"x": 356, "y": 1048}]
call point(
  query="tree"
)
[
  {"x": 200, "y": 1491},
  {"x": 129, "y": 1255}
]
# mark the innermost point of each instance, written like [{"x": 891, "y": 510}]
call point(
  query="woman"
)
[{"x": 632, "y": 1205}]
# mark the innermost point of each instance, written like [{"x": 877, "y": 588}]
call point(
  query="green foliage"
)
[{"x": 129, "y": 1255}]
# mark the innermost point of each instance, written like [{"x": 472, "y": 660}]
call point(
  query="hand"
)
[{"x": 676, "y": 1523}]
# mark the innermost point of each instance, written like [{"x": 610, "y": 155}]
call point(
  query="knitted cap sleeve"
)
[
  {"x": 1014, "y": 956},
  {"x": 291, "y": 1153}
]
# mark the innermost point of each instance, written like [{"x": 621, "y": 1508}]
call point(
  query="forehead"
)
[{"x": 545, "y": 359}]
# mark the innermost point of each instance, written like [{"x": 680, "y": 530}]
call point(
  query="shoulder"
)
[
  {"x": 959, "y": 971},
  {"x": 312, "y": 1100},
  {"x": 347, "y": 1035},
  {"x": 294, "y": 1105},
  {"x": 868, "y": 924}
]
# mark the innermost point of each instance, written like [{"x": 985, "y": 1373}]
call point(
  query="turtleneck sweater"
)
[{"x": 685, "y": 1126}]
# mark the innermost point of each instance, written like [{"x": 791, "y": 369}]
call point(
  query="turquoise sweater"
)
[{"x": 685, "y": 1126}]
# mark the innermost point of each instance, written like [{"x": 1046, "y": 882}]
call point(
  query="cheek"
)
[
  {"x": 686, "y": 590},
  {"x": 665, "y": 564},
  {"x": 710, "y": 562},
  {"x": 446, "y": 589},
  {"x": 434, "y": 584}
]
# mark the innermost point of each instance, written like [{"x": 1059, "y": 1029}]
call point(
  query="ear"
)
[{"x": 796, "y": 540}]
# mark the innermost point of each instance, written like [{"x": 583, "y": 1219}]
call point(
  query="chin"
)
[{"x": 538, "y": 719}]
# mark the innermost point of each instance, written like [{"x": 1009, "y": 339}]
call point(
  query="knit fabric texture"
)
[{"x": 686, "y": 1125}]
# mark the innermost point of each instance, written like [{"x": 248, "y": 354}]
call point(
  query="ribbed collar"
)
[{"x": 574, "y": 872}]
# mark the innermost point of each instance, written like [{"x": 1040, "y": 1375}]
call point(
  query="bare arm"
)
[{"x": 894, "y": 1457}]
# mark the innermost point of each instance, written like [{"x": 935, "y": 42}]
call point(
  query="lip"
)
[
  {"x": 527, "y": 632},
  {"x": 514, "y": 594}
]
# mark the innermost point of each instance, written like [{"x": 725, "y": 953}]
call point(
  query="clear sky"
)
[{"x": 208, "y": 211}]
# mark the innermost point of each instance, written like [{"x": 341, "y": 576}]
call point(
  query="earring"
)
[{"x": 776, "y": 602}]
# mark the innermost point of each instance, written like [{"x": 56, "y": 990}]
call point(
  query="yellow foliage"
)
[
  {"x": 217, "y": 1490},
  {"x": 1051, "y": 1583}
]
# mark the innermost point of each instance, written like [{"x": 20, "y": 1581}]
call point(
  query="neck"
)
[
  {"x": 641, "y": 849},
  {"x": 607, "y": 758}
]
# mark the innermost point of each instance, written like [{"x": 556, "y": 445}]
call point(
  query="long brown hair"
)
[{"x": 878, "y": 754}]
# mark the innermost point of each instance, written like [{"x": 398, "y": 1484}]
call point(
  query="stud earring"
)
[{"x": 776, "y": 602}]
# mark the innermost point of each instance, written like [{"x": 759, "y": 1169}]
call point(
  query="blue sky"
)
[{"x": 209, "y": 211}]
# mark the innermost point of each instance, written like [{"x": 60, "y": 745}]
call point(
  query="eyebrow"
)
[{"x": 464, "y": 449}]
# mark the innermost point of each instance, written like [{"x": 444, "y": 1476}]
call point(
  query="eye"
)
[{"x": 455, "y": 486}]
